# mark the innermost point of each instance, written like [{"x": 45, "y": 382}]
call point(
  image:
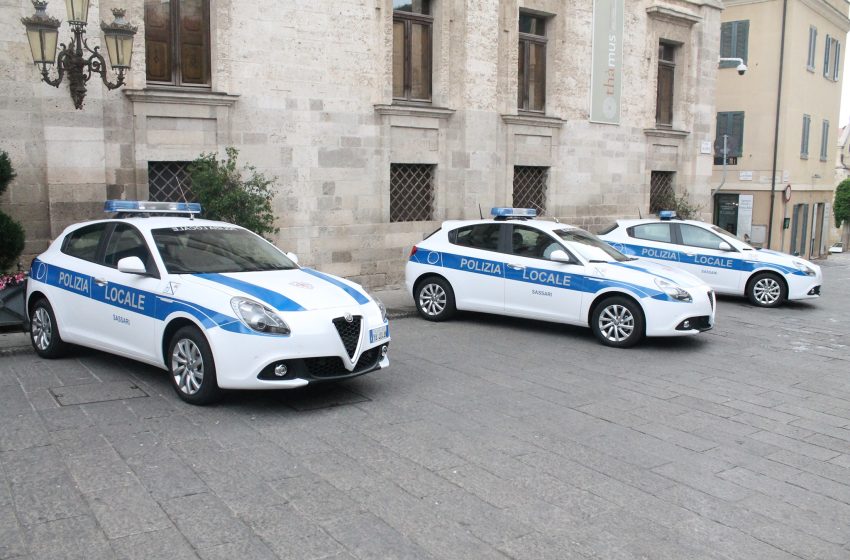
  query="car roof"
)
[
  {"x": 147, "y": 223},
  {"x": 636, "y": 222},
  {"x": 545, "y": 225}
]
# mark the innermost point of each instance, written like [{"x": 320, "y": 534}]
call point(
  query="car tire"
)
[
  {"x": 766, "y": 289},
  {"x": 191, "y": 367},
  {"x": 618, "y": 322},
  {"x": 44, "y": 332},
  {"x": 435, "y": 299}
]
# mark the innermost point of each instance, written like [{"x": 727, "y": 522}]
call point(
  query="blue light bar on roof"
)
[
  {"x": 667, "y": 214},
  {"x": 147, "y": 207},
  {"x": 500, "y": 212}
]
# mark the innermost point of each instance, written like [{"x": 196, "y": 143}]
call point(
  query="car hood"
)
[
  {"x": 286, "y": 290},
  {"x": 652, "y": 269},
  {"x": 768, "y": 256}
]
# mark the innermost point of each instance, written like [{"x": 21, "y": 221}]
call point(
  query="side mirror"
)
[
  {"x": 132, "y": 265},
  {"x": 293, "y": 257},
  {"x": 561, "y": 256},
  {"x": 725, "y": 246}
]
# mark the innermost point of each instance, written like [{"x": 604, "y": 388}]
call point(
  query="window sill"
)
[
  {"x": 666, "y": 132},
  {"x": 414, "y": 111},
  {"x": 526, "y": 119},
  {"x": 184, "y": 96},
  {"x": 804, "y": 156}
]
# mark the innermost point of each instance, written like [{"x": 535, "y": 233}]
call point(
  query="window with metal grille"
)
[
  {"x": 411, "y": 192},
  {"x": 530, "y": 187},
  {"x": 661, "y": 193},
  {"x": 169, "y": 181}
]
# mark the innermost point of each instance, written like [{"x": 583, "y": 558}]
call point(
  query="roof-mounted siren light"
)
[
  {"x": 501, "y": 213},
  {"x": 667, "y": 215},
  {"x": 147, "y": 207}
]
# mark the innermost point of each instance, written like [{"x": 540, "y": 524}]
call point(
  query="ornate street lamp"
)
[{"x": 42, "y": 34}]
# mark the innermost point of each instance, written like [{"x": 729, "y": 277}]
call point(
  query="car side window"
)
[
  {"x": 479, "y": 236},
  {"x": 698, "y": 237},
  {"x": 126, "y": 241},
  {"x": 652, "y": 232},
  {"x": 532, "y": 243},
  {"x": 83, "y": 243}
]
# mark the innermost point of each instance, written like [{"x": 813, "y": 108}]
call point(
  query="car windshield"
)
[
  {"x": 203, "y": 249},
  {"x": 589, "y": 246},
  {"x": 745, "y": 241}
]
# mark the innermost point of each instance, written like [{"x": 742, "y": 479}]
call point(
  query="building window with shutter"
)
[
  {"x": 836, "y": 60},
  {"x": 824, "y": 140},
  {"x": 177, "y": 42},
  {"x": 412, "y": 50},
  {"x": 666, "y": 77},
  {"x": 531, "y": 79},
  {"x": 733, "y": 41},
  {"x": 826, "y": 58},
  {"x": 411, "y": 192},
  {"x": 804, "y": 143},
  {"x": 813, "y": 45},
  {"x": 731, "y": 125}
]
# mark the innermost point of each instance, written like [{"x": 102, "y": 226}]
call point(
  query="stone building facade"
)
[{"x": 308, "y": 91}]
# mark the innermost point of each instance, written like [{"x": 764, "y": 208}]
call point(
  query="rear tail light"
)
[{"x": 413, "y": 250}]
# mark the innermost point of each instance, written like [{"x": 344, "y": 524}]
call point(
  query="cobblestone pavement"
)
[{"x": 487, "y": 438}]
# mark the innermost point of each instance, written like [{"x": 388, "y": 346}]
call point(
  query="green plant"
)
[
  {"x": 7, "y": 173},
  {"x": 225, "y": 195},
  {"x": 681, "y": 204},
  {"x": 11, "y": 232},
  {"x": 841, "y": 206}
]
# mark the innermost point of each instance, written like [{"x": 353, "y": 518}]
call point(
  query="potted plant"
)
[{"x": 12, "y": 285}]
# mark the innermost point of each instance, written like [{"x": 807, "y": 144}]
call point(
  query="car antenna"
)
[
  {"x": 639, "y": 214},
  {"x": 480, "y": 213}
]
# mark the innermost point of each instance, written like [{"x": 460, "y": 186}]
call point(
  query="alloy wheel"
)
[
  {"x": 187, "y": 366},
  {"x": 616, "y": 323},
  {"x": 767, "y": 290},
  {"x": 42, "y": 329},
  {"x": 432, "y": 299}
]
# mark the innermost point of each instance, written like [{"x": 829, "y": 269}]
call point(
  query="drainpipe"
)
[{"x": 776, "y": 125}]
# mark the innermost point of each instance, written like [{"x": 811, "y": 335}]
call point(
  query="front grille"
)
[
  {"x": 349, "y": 333},
  {"x": 326, "y": 366}
]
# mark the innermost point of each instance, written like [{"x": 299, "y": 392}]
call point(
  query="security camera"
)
[{"x": 742, "y": 69}]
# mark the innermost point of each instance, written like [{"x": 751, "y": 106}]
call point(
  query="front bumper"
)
[
  {"x": 804, "y": 287},
  {"x": 667, "y": 318},
  {"x": 314, "y": 352}
]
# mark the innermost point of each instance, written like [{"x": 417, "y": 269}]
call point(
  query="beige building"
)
[
  {"x": 781, "y": 158},
  {"x": 379, "y": 118}
]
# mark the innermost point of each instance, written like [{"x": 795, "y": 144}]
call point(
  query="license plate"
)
[{"x": 376, "y": 335}]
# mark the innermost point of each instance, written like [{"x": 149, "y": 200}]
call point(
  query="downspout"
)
[{"x": 776, "y": 125}]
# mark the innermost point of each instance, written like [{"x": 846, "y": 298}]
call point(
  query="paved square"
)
[{"x": 487, "y": 438}]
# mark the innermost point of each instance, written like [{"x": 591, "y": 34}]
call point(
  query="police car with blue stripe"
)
[
  {"x": 214, "y": 304},
  {"x": 520, "y": 266},
  {"x": 724, "y": 262}
]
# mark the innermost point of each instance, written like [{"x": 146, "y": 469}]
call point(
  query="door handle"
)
[
  {"x": 516, "y": 266},
  {"x": 100, "y": 281}
]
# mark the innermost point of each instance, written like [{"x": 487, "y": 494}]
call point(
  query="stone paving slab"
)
[{"x": 487, "y": 438}]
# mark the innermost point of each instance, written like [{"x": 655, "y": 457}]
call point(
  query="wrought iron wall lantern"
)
[{"x": 74, "y": 59}]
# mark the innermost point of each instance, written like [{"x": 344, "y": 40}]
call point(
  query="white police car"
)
[
  {"x": 216, "y": 305},
  {"x": 723, "y": 261},
  {"x": 523, "y": 267}
]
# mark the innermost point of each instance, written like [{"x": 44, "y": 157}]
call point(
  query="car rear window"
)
[
  {"x": 83, "y": 243},
  {"x": 652, "y": 232},
  {"x": 479, "y": 236}
]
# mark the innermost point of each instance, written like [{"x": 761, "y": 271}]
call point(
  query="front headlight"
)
[
  {"x": 673, "y": 290},
  {"x": 803, "y": 266},
  {"x": 258, "y": 317},
  {"x": 381, "y": 306}
]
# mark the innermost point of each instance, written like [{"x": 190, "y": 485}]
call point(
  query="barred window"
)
[
  {"x": 661, "y": 193},
  {"x": 530, "y": 187},
  {"x": 411, "y": 192},
  {"x": 169, "y": 181}
]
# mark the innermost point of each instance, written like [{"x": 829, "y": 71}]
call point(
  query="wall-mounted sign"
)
[
  {"x": 786, "y": 176},
  {"x": 745, "y": 215},
  {"x": 745, "y": 176},
  {"x": 705, "y": 147},
  {"x": 607, "y": 63},
  {"x": 787, "y": 194}
]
